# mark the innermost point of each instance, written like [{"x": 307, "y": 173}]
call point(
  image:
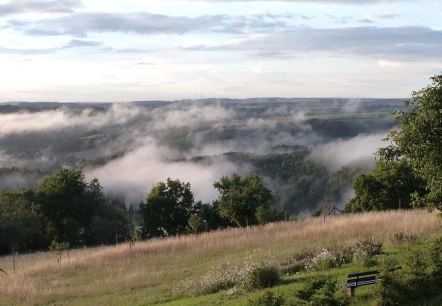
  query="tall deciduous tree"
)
[
  {"x": 77, "y": 211},
  {"x": 167, "y": 209},
  {"x": 419, "y": 140},
  {"x": 389, "y": 186},
  {"x": 239, "y": 198},
  {"x": 20, "y": 221}
]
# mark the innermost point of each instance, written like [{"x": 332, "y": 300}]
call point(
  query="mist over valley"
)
[{"x": 307, "y": 150}]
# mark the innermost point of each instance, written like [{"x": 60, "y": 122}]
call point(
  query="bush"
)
[
  {"x": 369, "y": 246},
  {"x": 251, "y": 275},
  {"x": 267, "y": 299},
  {"x": 322, "y": 261},
  {"x": 416, "y": 275},
  {"x": 435, "y": 255},
  {"x": 262, "y": 277},
  {"x": 392, "y": 290},
  {"x": 365, "y": 252},
  {"x": 322, "y": 292}
]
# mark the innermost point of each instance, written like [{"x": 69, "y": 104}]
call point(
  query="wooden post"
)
[
  {"x": 13, "y": 256},
  {"x": 351, "y": 291}
]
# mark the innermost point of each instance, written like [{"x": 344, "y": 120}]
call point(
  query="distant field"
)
[{"x": 146, "y": 273}]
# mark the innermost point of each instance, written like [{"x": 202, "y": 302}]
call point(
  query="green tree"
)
[
  {"x": 239, "y": 198},
  {"x": 20, "y": 221},
  {"x": 195, "y": 224},
  {"x": 77, "y": 211},
  {"x": 268, "y": 214},
  {"x": 167, "y": 209},
  {"x": 419, "y": 140},
  {"x": 389, "y": 185}
]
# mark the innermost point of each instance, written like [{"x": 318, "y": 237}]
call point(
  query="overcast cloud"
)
[{"x": 87, "y": 50}]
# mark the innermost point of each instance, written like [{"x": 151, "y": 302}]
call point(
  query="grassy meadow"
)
[{"x": 147, "y": 272}]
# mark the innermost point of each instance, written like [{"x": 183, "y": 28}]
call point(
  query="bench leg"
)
[{"x": 351, "y": 291}]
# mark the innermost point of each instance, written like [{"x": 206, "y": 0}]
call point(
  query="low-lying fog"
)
[{"x": 155, "y": 143}]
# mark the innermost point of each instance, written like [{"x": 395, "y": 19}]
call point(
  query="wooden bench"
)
[{"x": 362, "y": 279}]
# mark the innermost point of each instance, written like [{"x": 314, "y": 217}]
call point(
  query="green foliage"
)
[
  {"x": 389, "y": 185},
  {"x": 269, "y": 214},
  {"x": 435, "y": 256},
  {"x": 167, "y": 209},
  {"x": 415, "y": 272},
  {"x": 58, "y": 246},
  {"x": 77, "y": 211},
  {"x": 239, "y": 198},
  {"x": 391, "y": 291},
  {"x": 324, "y": 260},
  {"x": 195, "y": 223},
  {"x": 21, "y": 221},
  {"x": 322, "y": 291},
  {"x": 262, "y": 277},
  {"x": 250, "y": 275},
  {"x": 269, "y": 298},
  {"x": 417, "y": 279},
  {"x": 419, "y": 140},
  {"x": 365, "y": 252}
]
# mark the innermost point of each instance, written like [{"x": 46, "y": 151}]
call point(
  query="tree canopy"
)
[
  {"x": 21, "y": 221},
  {"x": 239, "y": 198},
  {"x": 77, "y": 211},
  {"x": 419, "y": 140},
  {"x": 167, "y": 209},
  {"x": 389, "y": 186}
]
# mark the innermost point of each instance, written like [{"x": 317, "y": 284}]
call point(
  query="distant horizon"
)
[{"x": 204, "y": 99}]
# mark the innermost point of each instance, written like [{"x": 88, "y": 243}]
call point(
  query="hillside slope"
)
[{"x": 147, "y": 272}]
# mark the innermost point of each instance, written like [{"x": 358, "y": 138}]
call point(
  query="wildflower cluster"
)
[
  {"x": 324, "y": 260},
  {"x": 252, "y": 274}
]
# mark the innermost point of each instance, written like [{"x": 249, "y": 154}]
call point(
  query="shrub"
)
[
  {"x": 344, "y": 254},
  {"x": 435, "y": 256},
  {"x": 369, "y": 246},
  {"x": 416, "y": 275},
  {"x": 365, "y": 252},
  {"x": 267, "y": 299},
  {"x": 322, "y": 261},
  {"x": 322, "y": 292},
  {"x": 392, "y": 290},
  {"x": 400, "y": 238},
  {"x": 291, "y": 267},
  {"x": 251, "y": 275},
  {"x": 211, "y": 282},
  {"x": 262, "y": 277}
]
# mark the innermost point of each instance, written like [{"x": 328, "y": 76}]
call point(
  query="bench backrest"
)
[{"x": 364, "y": 273}]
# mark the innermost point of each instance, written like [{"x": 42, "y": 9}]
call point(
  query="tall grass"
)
[{"x": 146, "y": 272}]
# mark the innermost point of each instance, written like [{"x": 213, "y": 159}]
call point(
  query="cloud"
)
[
  {"x": 190, "y": 116},
  {"x": 398, "y": 43},
  {"x": 135, "y": 174},
  {"x": 76, "y": 43},
  {"x": 81, "y": 24},
  {"x": 340, "y": 153},
  {"x": 26, "y": 122},
  {"x": 22, "y": 7},
  {"x": 373, "y": 18}
]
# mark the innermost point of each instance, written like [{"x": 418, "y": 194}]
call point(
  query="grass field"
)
[{"x": 147, "y": 272}]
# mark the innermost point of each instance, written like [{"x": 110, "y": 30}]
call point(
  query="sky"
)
[{"x": 116, "y": 51}]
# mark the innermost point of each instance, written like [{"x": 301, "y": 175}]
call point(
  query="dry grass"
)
[{"x": 118, "y": 275}]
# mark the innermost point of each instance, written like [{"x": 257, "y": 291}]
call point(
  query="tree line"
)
[{"x": 65, "y": 208}]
